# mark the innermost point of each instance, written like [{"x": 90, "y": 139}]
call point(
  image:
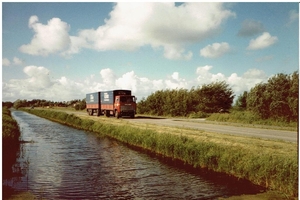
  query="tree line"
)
[
  {"x": 76, "y": 103},
  {"x": 209, "y": 98},
  {"x": 276, "y": 99}
]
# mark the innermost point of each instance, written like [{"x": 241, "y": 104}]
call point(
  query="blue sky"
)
[{"x": 61, "y": 51}]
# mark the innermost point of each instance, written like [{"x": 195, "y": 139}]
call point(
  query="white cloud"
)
[
  {"x": 108, "y": 77},
  {"x": 128, "y": 80},
  {"x": 39, "y": 85},
  {"x": 38, "y": 77},
  {"x": 263, "y": 41},
  {"x": 176, "y": 53},
  {"x": 204, "y": 76},
  {"x": 17, "y": 61},
  {"x": 5, "y": 62},
  {"x": 293, "y": 16},
  {"x": 132, "y": 25},
  {"x": 50, "y": 38},
  {"x": 215, "y": 50},
  {"x": 238, "y": 83},
  {"x": 176, "y": 82}
]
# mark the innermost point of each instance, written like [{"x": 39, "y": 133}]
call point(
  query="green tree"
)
[
  {"x": 257, "y": 101},
  {"x": 277, "y": 92},
  {"x": 214, "y": 97},
  {"x": 20, "y": 103},
  {"x": 241, "y": 102},
  {"x": 82, "y": 104},
  {"x": 277, "y": 99},
  {"x": 142, "y": 106},
  {"x": 7, "y": 104},
  {"x": 293, "y": 97}
]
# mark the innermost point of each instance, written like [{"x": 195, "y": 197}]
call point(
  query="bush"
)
[{"x": 199, "y": 114}]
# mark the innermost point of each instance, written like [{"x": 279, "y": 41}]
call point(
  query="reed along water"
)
[{"x": 60, "y": 162}]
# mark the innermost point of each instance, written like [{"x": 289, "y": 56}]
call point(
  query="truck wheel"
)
[
  {"x": 107, "y": 112},
  {"x": 117, "y": 115},
  {"x": 132, "y": 115},
  {"x": 90, "y": 112}
]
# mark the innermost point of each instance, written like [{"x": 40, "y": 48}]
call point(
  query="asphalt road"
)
[
  {"x": 201, "y": 124},
  {"x": 289, "y": 136}
]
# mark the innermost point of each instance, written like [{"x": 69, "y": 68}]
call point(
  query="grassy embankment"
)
[
  {"x": 10, "y": 128},
  {"x": 272, "y": 164},
  {"x": 10, "y": 149},
  {"x": 248, "y": 118}
]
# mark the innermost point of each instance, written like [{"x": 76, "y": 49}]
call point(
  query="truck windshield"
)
[{"x": 128, "y": 99}]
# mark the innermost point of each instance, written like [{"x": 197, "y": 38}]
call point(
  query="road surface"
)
[
  {"x": 200, "y": 124},
  {"x": 290, "y": 136}
]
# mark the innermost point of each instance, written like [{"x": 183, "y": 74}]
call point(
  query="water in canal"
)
[{"x": 64, "y": 163}]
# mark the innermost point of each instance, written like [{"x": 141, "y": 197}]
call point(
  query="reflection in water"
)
[{"x": 66, "y": 163}]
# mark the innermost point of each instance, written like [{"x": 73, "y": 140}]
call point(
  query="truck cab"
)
[{"x": 125, "y": 105}]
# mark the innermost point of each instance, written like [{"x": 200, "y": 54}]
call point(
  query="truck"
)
[{"x": 117, "y": 103}]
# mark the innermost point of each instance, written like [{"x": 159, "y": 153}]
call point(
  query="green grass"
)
[
  {"x": 248, "y": 117},
  {"x": 272, "y": 164},
  {"x": 10, "y": 128},
  {"x": 10, "y": 150}
]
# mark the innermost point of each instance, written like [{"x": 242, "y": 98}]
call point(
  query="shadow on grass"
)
[{"x": 146, "y": 117}]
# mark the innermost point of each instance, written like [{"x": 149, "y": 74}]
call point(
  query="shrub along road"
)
[{"x": 289, "y": 136}]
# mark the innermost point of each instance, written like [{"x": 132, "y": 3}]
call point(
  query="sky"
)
[{"x": 62, "y": 51}]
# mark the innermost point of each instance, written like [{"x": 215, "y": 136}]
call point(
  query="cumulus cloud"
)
[
  {"x": 108, "y": 76},
  {"x": 250, "y": 28},
  {"x": 263, "y": 41},
  {"x": 238, "y": 83},
  {"x": 132, "y": 25},
  {"x": 5, "y": 62},
  {"x": 38, "y": 77},
  {"x": 15, "y": 61},
  {"x": 175, "y": 81},
  {"x": 50, "y": 38},
  {"x": 204, "y": 76},
  {"x": 215, "y": 50},
  {"x": 39, "y": 85}
]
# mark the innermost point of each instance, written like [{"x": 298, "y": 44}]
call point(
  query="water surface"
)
[{"x": 66, "y": 163}]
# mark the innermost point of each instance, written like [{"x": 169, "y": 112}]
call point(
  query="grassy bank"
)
[
  {"x": 248, "y": 117},
  {"x": 272, "y": 164},
  {"x": 10, "y": 128},
  {"x": 10, "y": 150}
]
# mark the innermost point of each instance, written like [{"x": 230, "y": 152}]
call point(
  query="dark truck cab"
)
[{"x": 117, "y": 103}]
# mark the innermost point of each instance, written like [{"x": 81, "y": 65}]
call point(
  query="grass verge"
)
[
  {"x": 10, "y": 151},
  {"x": 271, "y": 164},
  {"x": 248, "y": 117}
]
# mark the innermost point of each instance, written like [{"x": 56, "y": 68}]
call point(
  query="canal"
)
[{"x": 60, "y": 162}]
